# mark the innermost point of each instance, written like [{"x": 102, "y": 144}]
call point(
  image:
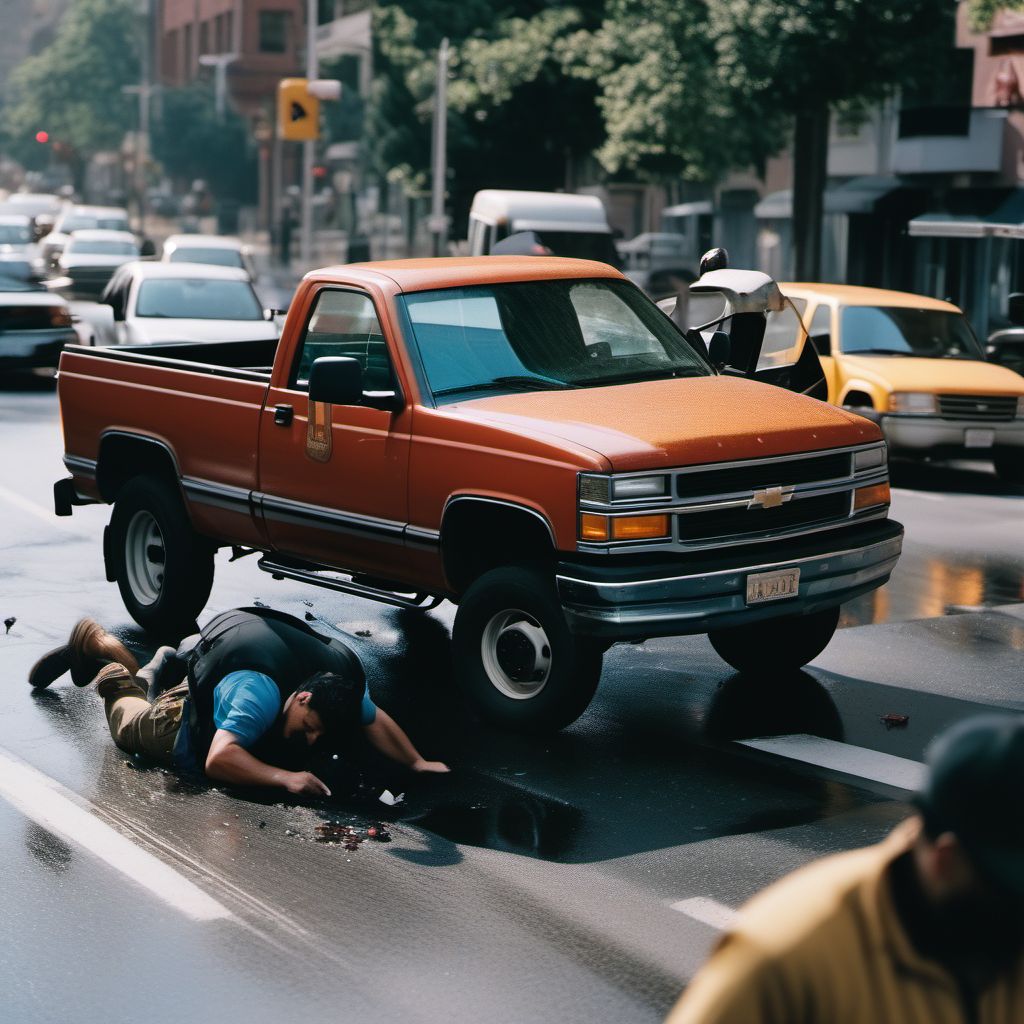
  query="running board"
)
[{"x": 323, "y": 577}]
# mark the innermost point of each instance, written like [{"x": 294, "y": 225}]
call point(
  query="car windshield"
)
[
  {"x": 581, "y": 245},
  {"x": 15, "y": 234},
  {"x": 9, "y": 283},
  {"x": 198, "y": 298},
  {"x": 218, "y": 257},
  {"x": 102, "y": 248},
  {"x": 543, "y": 335},
  {"x": 904, "y": 331},
  {"x": 82, "y": 222}
]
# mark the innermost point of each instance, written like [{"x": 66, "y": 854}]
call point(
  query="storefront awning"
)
[
  {"x": 858, "y": 195},
  {"x": 1006, "y": 221}
]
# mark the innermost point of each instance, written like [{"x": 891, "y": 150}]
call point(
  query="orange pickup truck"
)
[{"x": 529, "y": 438}]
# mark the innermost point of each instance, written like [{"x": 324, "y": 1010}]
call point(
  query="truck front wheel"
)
[
  {"x": 515, "y": 659},
  {"x": 164, "y": 569},
  {"x": 786, "y": 643}
]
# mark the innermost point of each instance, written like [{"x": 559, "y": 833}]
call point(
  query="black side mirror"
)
[
  {"x": 822, "y": 343},
  {"x": 337, "y": 380},
  {"x": 719, "y": 349},
  {"x": 1015, "y": 308},
  {"x": 713, "y": 259}
]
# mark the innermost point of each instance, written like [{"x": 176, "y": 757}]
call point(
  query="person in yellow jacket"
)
[{"x": 927, "y": 927}]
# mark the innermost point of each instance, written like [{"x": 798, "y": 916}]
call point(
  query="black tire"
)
[
  {"x": 511, "y": 605},
  {"x": 1010, "y": 467},
  {"x": 164, "y": 569},
  {"x": 786, "y": 643}
]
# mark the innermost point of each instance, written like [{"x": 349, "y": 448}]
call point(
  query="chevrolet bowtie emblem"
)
[{"x": 770, "y": 497}]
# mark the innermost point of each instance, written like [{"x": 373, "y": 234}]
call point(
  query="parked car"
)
[
  {"x": 15, "y": 233},
  {"x": 660, "y": 262},
  {"x": 34, "y": 325},
  {"x": 914, "y": 366},
  {"x": 89, "y": 260},
  {"x": 80, "y": 218},
  {"x": 531, "y": 438},
  {"x": 185, "y": 302},
  {"x": 41, "y": 208},
  {"x": 564, "y": 223},
  {"x": 216, "y": 250},
  {"x": 1005, "y": 345}
]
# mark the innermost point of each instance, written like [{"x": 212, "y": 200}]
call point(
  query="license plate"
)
[
  {"x": 979, "y": 438},
  {"x": 772, "y": 586}
]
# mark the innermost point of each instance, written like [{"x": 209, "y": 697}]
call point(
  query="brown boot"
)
[{"x": 88, "y": 648}]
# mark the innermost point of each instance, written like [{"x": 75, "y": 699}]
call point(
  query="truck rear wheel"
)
[
  {"x": 786, "y": 643},
  {"x": 164, "y": 569},
  {"x": 515, "y": 659}
]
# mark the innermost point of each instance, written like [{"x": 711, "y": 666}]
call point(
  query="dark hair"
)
[{"x": 337, "y": 699}]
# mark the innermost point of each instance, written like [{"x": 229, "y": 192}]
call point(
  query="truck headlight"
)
[
  {"x": 869, "y": 458},
  {"x": 915, "y": 403},
  {"x": 639, "y": 487},
  {"x": 606, "y": 528}
]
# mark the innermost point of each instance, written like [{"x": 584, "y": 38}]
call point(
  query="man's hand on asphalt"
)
[
  {"x": 420, "y": 765},
  {"x": 305, "y": 782}
]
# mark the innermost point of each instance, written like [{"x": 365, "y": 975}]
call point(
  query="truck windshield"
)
[
  {"x": 581, "y": 245},
  {"x": 904, "y": 331},
  {"x": 543, "y": 335},
  {"x": 197, "y": 298}
]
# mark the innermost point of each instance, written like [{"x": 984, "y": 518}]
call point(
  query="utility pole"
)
[
  {"x": 309, "y": 146},
  {"x": 219, "y": 62},
  {"x": 144, "y": 91},
  {"x": 438, "y": 222}
]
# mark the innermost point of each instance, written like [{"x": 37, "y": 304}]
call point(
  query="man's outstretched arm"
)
[
  {"x": 229, "y": 761},
  {"x": 391, "y": 740}
]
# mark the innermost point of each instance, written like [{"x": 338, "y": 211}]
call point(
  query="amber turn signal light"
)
[
  {"x": 593, "y": 527},
  {"x": 640, "y": 527},
  {"x": 865, "y": 497}
]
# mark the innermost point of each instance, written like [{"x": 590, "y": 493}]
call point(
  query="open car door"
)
[{"x": 749, "y": 329}]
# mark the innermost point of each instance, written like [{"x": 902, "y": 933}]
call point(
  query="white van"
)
[{"x": 567, "y": 224}]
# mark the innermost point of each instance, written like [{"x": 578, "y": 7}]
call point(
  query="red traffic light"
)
[
  {"x": 42, "y": 136},
  {"x": 319, "y": 171}
]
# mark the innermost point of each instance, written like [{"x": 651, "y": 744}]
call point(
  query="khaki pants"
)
[{"x": 136, "y": 725}]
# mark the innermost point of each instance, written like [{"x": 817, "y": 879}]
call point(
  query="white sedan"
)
[
  {"x": 218, "y": 250},
  {"x": 153, "y": 302}
]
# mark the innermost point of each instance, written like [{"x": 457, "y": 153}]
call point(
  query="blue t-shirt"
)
[{"x": 246, "y": 704}]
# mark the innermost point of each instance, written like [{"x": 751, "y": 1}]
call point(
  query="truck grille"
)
[
  {"x": 735, "y": 479},
  {"x": 989, "y": 408},
  {"x": 745, "y": 521}
]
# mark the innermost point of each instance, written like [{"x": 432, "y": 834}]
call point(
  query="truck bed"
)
[{"x": 248, "y": 359}]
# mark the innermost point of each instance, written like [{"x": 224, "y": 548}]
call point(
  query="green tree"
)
[
  {"x": 803, "y": 59},
  {"x": 73, "y": 88},
  {"x": 191, "y": 141},
  {"x": 518, "y": 115},
  {"x": 981, "y": 13}
]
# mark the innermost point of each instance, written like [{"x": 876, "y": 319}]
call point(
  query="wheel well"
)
[
  {"x": 858, "y": 400},
  {"x": 123, "y": 456},
  {"x": 477, "y": 536}
]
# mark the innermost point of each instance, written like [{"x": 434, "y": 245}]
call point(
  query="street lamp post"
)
[
  {"x": 219, "y": 62},
  {"x": 308, "y": 147},
  {"x": 438, "y": 223}
]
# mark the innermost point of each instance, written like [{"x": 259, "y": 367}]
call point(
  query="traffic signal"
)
[
  {"x": 42, "y": 136},
  {"x": 298, "y": 113}
]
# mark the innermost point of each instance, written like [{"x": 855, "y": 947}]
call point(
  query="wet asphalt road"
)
[{"x": 535, "y": 883}]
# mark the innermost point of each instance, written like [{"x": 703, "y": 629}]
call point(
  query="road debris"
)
[
  {"x": 8, "y": 622},
  {"x": 338, "y": 833},
  {"x": 389, "y": 798},
  {"x": 895, "y": 721},
  {"x": 364, "y": 632},
  {"x": 309, "y": 617}
]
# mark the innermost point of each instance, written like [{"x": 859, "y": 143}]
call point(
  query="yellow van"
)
[{"x": 914, "y": 365}]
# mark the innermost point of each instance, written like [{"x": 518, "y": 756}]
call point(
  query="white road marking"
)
[
  {"x": 899, "y": 772},
  {"x": 37, "y": 511},
  {"x": 56, "y": 809},
  {"x": 707, "y": 911}
]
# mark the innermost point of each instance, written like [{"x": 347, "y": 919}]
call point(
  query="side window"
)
[
  {"x": 820, "y": 329},
  {"x": 345, "y": 324},
  {"x": 783, "y": 338}
]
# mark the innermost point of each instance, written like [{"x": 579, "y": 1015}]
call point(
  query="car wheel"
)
[
  {"x": 788, "y": 642},
  {"x": 164, "y": 569},
  {"x": 515, "y": 659}
]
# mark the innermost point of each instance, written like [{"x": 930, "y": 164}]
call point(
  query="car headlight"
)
[
  {"x": 639, "y": 487},
  {"x": 914, "y": 403}
]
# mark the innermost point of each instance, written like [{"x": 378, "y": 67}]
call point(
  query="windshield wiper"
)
[
  {"x": 877, "y": 352},
  {"x": 520, "y": 382}
]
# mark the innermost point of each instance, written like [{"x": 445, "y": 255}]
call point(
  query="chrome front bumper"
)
[
  {"x": 922, "y": 433},
  {"x": 618, "y": 604}
]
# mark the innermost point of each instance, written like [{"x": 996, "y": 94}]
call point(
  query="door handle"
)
[{"x": 283, "y": 415}]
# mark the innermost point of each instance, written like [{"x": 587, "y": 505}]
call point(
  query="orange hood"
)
[{"x": 683, "y": 422}]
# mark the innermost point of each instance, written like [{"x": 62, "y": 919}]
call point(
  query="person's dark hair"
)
[{"x": 337, "y": 699}]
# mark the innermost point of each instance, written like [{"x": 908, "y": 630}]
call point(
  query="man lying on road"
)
[{"x": 261, "y": 688}]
